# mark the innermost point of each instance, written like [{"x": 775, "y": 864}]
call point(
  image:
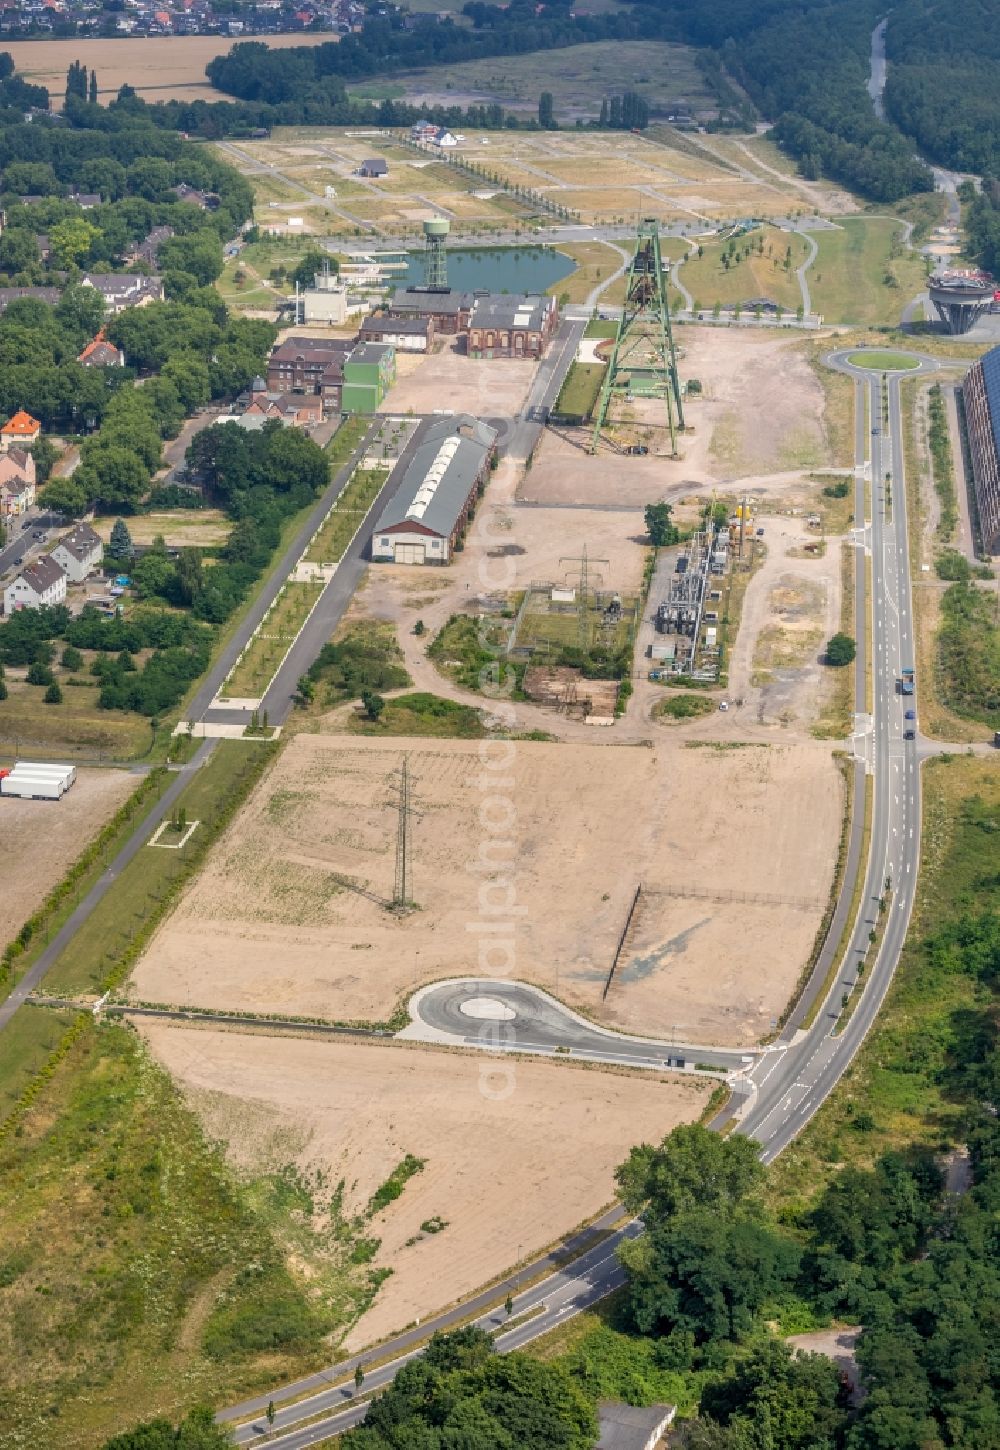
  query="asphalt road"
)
[
  {"x": 539, "y": 1309},
  {"x": 514, "y": 1017},
  {"x": 785, "y": 1085}
]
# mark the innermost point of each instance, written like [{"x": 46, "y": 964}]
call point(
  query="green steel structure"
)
[{"x": 643, "y": 360}]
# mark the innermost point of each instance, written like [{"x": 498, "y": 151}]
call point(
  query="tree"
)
[
  {"x": 546, "y": 115},
  {"x": 64, "y": 496},
  {"x": 93, "y": 88},
  {"x": 359, "y": 1377},
  {"x": 39, "y": 674},
  {"x": 197, "y": 1431},
  {"x": 306, "y": 268},
  {"x": 658, "y": 525},
  {"x": 374, "y": 704},
  {"x": 72, "y": 239},
  {"x": 53, "y": 695},
  {"x": 45, "y": 453},
  {"x": 840, "y": 650},
  {"x": 120, "y": 546},
  {"x": 71, "y": 658},
  {"x": 692, "y": 1168}
]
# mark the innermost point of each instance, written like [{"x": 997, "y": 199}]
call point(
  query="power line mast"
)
[
  {"x": 643, "y": 358},
  {"x": 583, "y": 594}
]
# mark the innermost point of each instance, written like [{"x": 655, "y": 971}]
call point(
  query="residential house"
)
[
  {"x": 86, "y": 200},
  {"x": 124, "y": 289},
  {"x": 17, "y": 483},
  {"x": 8, "y": 295},
  {"x": 40, "y": 582},
  {"x": 148, "y": 250},
  {"x": 444, "y": 138},
  {"x": 423, "y": 131},
  {"x": 299, "y": 410},
  {"x": 204, "y": 200},
  {"x": 374, "y": 166},
  {"x": 101, "y": 354},
  {"x": 79, "y": 552},
  {"x": 20, "y": 432}
]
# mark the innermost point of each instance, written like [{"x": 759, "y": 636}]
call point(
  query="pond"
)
[{"x": 494, "y": 269}]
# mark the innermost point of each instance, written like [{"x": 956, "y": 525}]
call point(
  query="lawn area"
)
[
  {"x": 750, "y": 272},
  {"x": 346, "y": 516},
  {"x": 595, "y": 263},
  {"x": 346, "y": 439},
  {"x": 107, "y": 944},
  {"x": 75, "y": 727},
  {"x": 891, "y": 1094},
  {"x": 422, "y": 714},
  {"x": 161, "y": 1279},
  {"x": 255, "y": 670},
  {"x": 25, "y": 1043},
  {"x": 884, "y": 362},
  {"x": 684, "y": 707},
  {"x": 863, "y": 274},
  {"x": 579, "y": 393}
]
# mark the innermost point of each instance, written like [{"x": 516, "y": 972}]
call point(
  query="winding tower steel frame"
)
[{"x": 644, "y": 327}]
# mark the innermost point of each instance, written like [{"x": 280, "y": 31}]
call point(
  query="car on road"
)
[
  {"x": 910, "y": 715},
  {"x": 874, "y": 432},
  {"x": 760, "y": 533},
  {"x": 909, "y": 733},
  {"x": 723, "y": 704},
  {"x": 19, "y": 559},
  {"x": 38, "y": 534}
]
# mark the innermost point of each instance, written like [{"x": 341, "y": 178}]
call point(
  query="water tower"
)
[{"x": 436, "y": 255}]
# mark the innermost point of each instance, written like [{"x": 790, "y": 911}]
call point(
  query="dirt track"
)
[{"x": 510, "y": 1164}]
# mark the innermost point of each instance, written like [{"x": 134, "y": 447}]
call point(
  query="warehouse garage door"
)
[{"x": 409, "y": 554}]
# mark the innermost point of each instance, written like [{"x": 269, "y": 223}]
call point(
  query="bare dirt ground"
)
[
  {"x": 509, "y": 1171},
  {"x": 484, "y": 387},
  {"x": 43, "y": 838},
  {"x": 160, "y": 68},
  {"x": 791, "y": 608},
  {"x": 269, "y": 925},
  {"x": 760, "y": 413}
]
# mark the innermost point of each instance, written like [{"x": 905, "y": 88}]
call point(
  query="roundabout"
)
[{"x": 868, "y": 362}]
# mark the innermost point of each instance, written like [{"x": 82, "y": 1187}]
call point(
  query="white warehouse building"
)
[{"x": 437, "y": 492}]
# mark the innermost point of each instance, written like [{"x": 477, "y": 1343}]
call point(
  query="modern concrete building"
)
[
  {"x": 960, "y": 298},
  {"x": 440, "y": 480},
  {"x": 369, "y": 373},
  {"x": 506, "y": 325},
  {"x": 79, "y": 553},
  {"x": 981, "y": 396},
  {"x": 39, "y": 583}
]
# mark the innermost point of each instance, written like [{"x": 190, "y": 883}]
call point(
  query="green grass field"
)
[
  {"x": 104, "y": 947},
  {"x": 579, "y": 393},
  {"x": 251, "y": 676},
  {"x": 346, "y": 516},
  {"x": 754, "y": 274},
  {"x": 862, "y": 275},
  {"x": 422, "y": 714},
  {"x": 76, "y": 726},
  {"x": 884, "y": 362}
]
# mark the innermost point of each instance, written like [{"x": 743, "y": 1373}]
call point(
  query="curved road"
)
[{"x": 781, "y": 1088}]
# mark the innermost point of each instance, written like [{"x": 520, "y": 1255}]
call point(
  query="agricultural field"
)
[
  {"x": 273, "y": 924},
  {"x": 44, "y": 838},
  {"x": 160, "y": 68},
  {"x": 355, "y": 1111}
]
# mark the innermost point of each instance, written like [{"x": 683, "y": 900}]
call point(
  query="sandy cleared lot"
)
[
  {"x": 485, "y": 387},
  {"x": 509, "y": 1164},
  {"x": 160, "y": 68},
  {"x": 564, "y": 835},
  {"x": 43, "y": 838},
  {"x": 761, "y": 412}
]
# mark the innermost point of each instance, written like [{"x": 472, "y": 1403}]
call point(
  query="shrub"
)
[{"x": 53, "y": 695}]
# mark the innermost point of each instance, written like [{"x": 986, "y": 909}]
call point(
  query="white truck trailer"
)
[{"x": 35, "y": 780}]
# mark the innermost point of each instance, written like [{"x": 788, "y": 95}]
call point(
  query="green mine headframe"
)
[{"x": 643, "y": 357}]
